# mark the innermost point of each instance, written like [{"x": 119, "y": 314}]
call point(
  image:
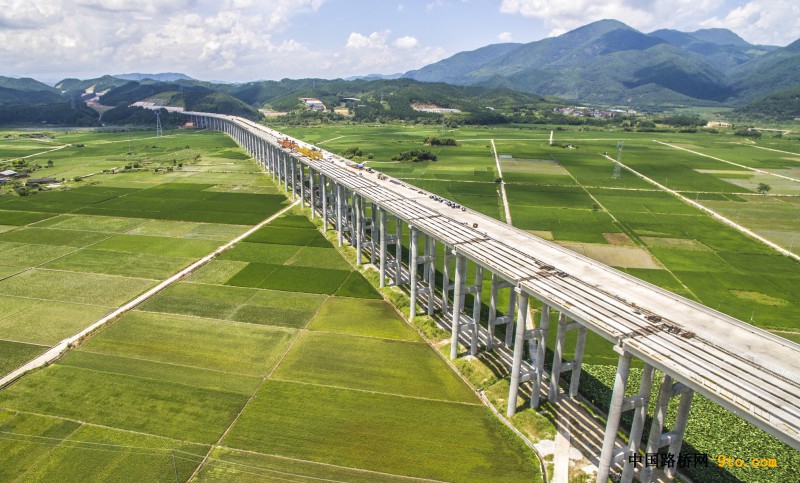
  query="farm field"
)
[
  {"x": 568, "y": 195},
  {"x": 72, "y": 255},
  {"x": 276, "y": 360}
]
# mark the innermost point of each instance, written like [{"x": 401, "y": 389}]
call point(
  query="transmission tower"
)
[
  {"x": 159, "y": 129},
  {"x": 617, "y": 165}
]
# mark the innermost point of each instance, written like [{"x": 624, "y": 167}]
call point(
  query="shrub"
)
[
  {"x": 415, "y": 156},
  {"x": 439, "y": 141}
]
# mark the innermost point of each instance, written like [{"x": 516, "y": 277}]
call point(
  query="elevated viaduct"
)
[{"x": 746, "y": 370}]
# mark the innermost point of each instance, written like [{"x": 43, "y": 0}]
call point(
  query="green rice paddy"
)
[
  {"x": 280, "y": 330},
  {"x": 568, "y": 195}
]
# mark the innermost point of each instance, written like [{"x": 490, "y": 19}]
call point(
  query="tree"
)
[{"x": 763, "y": 188}]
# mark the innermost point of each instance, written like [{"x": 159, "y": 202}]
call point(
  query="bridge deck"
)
[{"x": 749, "y": 371}]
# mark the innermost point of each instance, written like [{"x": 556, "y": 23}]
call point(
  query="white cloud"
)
[
  {"x": 142, "y": 6},
  {"x": 236, "y": 40},
  {"x": 406, "y": 42},
  {"x": 375, "y": 40},
  {"x": 376, "y": 53},
  {"x": 283, "y": 10},
  {"x": 759, "y": 21},
  {"x": 434, "y": 4},
  {"x": 644, "y": 15},
  {"x": 401, "y": 7},
  {"x": 505, "y": 37},
  {"x": 22, "y": 14}
]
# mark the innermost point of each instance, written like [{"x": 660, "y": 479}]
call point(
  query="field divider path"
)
[
  {"x": 773, "y": 149},
  {"x": 380, "y": 393},
  {"x": 289, "y": 346},
  {"x": 502, "y": 184},
  {"x": 711, "y": 212},
  {"x": 35, "y": 154},
  {"x": 62, "y": 347},
  {"x": 757, "y": 170}
]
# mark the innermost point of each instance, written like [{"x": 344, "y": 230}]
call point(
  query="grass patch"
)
[
  {"x": 14, "y": 354},
  {"x": 93, "y": 453},
  {"x": 378, "y": 432},
  {"x": 19, "y": 218},
  {"x": 410, "y": 369},
  {"x": 34, "y": 255},
  {"x": 284, "y": 309},
  {"x": 373, "y": 318},
  {"x": 32, "y": 438},
  {"x": 176, "y": 374},
  {"x": 260, "y": 252},
  {"x": 216, "y": 271},
  {"x": 320, "y": 258},
  {"x": 218, "y": 302},
  {"x": 91, "y": 288},
  {"x": 125, "y": 402},
  {"x": 223, "y": 346},
  {"x": 231, "y": 465},
  {"x": 47, "y": 322},
  {"x": 358, "y": 287},
  {"x": 305, "y": 279},
  {"x": 105, "y": 224},
  {"x": 282, "y": 235},
  {"x": 46, "y": 236}
]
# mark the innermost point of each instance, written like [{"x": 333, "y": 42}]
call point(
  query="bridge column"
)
[
  {"x": 458, "y": 301},
  {"x": 614, "y": 413},
  {"x": 273, "y": 168},
  {"x": 494, "y": 320},
  {"x": 302, "y": 181},
  {"x": 382, "y": 214},
  {"x": 476, "y": 310},
  {"x": 358, "y": 201},
  {"x": 519, "y": 348},
  {"x": 312, "y": 197},
  {"x": 538, "y": 355},
  {"x": 574, "y": 365},
  {"x": 285, "y": 172},
  {"x": 339, "y": 217},
  {"x": 293, "y": 174},
  {"x": 430, "y": 271},
  {"x": 398, "y": 253},
  {"x": 639, "y": 404},
  {"x": 352, "y": 218},
  {"x": 323, "y": 182},
  {"x": 413, "y": 265},
  {"x": 446, "y": 285},
  {"x": 674, "y": 438},
  {"x": 374, "y": 231}
]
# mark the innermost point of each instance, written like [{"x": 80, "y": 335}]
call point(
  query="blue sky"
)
[{"x": 242, "y": 40}]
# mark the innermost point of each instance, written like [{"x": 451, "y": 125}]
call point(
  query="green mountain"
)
[
  {"x": 782, "y": 105},
  {"x": 776, "y": 71},
  {"x": 720, "y": 37},
  {"x": 186, "y": 94},
  {"x": 26, "y": 91},
  {"x": 452, "y": 68},
  {"x": 161, "y": 77},
  {"x": 25, "y": 84},
  {"x": 387, "y": 98},
  {"x": 610, "y": 62}
]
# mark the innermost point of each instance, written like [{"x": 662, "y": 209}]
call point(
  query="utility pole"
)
[
  {"x": 159, "y": 129},
  {"x": 617, "y": 165}
]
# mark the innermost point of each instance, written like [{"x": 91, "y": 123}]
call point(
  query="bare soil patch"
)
[
  {"x": 679, "y": 243},
  {"x": 616, "y": 256},
  {"x": 618, "y": 239}
]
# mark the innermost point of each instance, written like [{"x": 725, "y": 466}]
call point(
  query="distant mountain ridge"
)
[
  {"x": 162, "y": 77},
  {"x": 610, "y": 62}
]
